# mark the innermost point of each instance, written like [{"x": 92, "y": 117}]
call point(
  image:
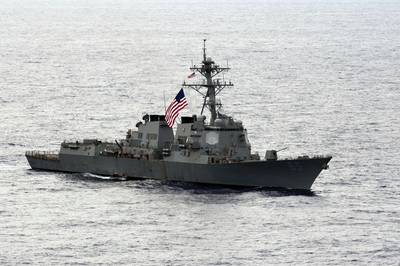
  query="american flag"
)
[{"x": 173, "y": 109}]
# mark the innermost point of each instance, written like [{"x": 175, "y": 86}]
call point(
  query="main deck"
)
[{"x": 294, "y": 174}]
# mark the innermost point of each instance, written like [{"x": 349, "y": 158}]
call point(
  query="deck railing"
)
[{"x": 43, "y": 155}]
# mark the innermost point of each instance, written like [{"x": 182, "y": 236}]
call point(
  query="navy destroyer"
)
[{"x": 201, "y": 150}]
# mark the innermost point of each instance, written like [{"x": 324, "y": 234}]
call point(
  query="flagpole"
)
[{"x": 165, "y": 107}]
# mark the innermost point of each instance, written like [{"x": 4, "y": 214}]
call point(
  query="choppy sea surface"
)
[{"x": 318, "y": 77}]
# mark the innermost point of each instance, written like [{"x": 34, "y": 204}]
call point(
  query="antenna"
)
[
  {"x": 211, "y": 85},
  {"x": 282, "y": 149},
  {"x": 204, "y": 49}
]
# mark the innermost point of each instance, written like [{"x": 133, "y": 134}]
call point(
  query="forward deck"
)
[{"x": 43, "y": 155}]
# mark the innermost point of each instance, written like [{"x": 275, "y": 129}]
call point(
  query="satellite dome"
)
[
  {"x": 219, "y": 122},
  {"x": 201, "y": 118}
]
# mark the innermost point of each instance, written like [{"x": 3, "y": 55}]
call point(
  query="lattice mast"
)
[{"x": 209, "y": 70}]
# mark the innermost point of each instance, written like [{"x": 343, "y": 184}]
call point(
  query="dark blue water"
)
[{"x": 318, "y": 77}]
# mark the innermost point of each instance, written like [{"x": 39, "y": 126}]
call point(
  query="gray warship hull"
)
[
  {"x": 288, "y": 173},
  {"x": 213, "y": 151}
]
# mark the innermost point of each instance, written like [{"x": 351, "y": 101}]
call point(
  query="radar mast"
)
[{"x": 209, "y": 70}]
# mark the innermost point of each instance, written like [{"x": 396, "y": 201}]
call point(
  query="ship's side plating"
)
[{"x": 296, "y": 174}]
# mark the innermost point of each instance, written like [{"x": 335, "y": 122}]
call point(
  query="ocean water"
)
[{"x": 318, "y": 77}]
